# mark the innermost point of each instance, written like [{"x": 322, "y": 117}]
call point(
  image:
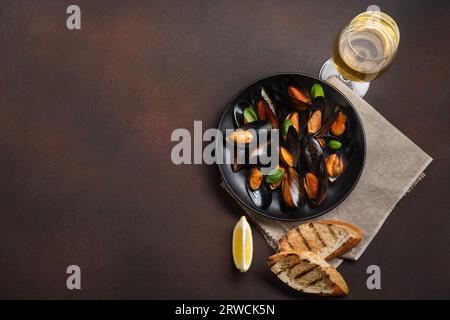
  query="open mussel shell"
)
[
  {"x": 294, "y": 118},
  {"x": 311, "y": 154},
  {"x": 243, "y": 136},
  {"x": 330, "y": 144},
  {"x": 336, "y": 124},
  {"x": 275, "y": 177},
  {"x": 286, "y": 156},
  {"x": 339, "y": 125},
  {"x": 298, "y": 96},
  {"x": 258, "y": 190},
  {"x": 292, "y": 190},
  {"x": 316, "y": 116},
  {"x": 293, "y": 144},
  {"x": 336, "y": 163},
  {"x": 316, "y": 185},
  {"x": 238, "y": 113},
  {"x": 265, "y": 104}
]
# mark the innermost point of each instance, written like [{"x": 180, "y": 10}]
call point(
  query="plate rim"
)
[{"x": 261, "y": 212}]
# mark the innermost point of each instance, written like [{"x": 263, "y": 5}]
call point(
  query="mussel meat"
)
[
  {"x": 286, "y": 157},
  {"x": 315, "y": 120},
  {"x": 337, "y": 163},
  {"x": 335, "y": 166},
  {"x": 339, "y": 124},
  {"x": 316, "y": 185},
  {"x": 257, "y": 189},
  {"x": 292, "y": 190},
  {"x": 294, "y": 118},
  {"x": 298, "y": 97},
  {"x": 247, "y": 134}
]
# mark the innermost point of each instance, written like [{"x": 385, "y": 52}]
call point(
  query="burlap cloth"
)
[{"x": 394, "y": 164}]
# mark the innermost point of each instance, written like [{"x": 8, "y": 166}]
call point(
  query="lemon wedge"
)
[{"x": 242, "y": 245}]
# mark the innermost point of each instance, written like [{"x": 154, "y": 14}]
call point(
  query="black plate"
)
[{"x": 337, "y": 191}]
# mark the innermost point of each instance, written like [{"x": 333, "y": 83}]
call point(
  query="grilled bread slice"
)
[
  {"x": 329, "y": 239},
  {"x": 307, "y": 272}
]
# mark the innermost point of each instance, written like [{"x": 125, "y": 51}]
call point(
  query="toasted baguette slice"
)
[
  {"x": 329, "y": 239},
  {"x": 307, "y": 272}
]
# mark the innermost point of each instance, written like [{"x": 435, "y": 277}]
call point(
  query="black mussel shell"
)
[
  {"x": 330, "y": 144},
  {"x": 238, "y": 113},
  {"x": 293, "y": 144},
  {"x": 311, "y": 154},
  {"x": 337, "y": 120},
  {"x": 265, "y": 105},
  {"x": 239, "y": 160},
  {"x": 292, "y": 190},
  {"x": 336, "y": 163},
  {"x": 259, "y": 191}
]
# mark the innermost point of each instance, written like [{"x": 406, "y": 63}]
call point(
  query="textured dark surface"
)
[{"x": 85, "y": 124}]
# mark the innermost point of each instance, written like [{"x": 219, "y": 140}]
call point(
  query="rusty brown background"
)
[{"x": 85, "y": 124}]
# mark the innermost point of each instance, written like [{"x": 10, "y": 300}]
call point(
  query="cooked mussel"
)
[
  {"x": 335, "y": 166},
  {"x": 286, "y": 157},
  {"x": 247, "y": 134},
  {"x": 292, "y": 119},
  {"x": 298, "y": 97},
  {"x": 329, "y": 144},
  {"x": 337, "y": 163},
  {"x": 311, "y": 154},
  {"x": 290, "y": 150},
  {"x": 293, "y": 144},
  {"x": 335, "y": 124},
  {"x": 315, "y": 120},
  {"x": 266, "y": 109},
  {"x": 275, "y": 177},
  {"x": 339, "y": 124},
  {"x": 292, "y": 190},
  {"x": 316, "y": 185},
  {"x": 243, "y": 113},
  {"x": 258, "y": 189}
]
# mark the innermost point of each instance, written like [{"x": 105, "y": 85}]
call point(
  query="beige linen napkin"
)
[{"x": 394, "y": 164}]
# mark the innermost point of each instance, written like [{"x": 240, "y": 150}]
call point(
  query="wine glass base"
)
[{"x": 328, "y": 70}]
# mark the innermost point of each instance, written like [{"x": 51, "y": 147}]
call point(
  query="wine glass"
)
[{"x": 363, "y": 50}]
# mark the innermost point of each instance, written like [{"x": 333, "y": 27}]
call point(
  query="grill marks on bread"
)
[
  {"x": 307, "y": 272},
  {"x": 328, "y": 239}
]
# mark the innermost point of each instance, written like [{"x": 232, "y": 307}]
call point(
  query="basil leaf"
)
[
  {"x": 317, "y": 91},
  {"x": 285, "y": 127},
  {"x": 334, "y": 144},
  {"x": 274, "y": 176},
  {"x": 250, "y": 115}
]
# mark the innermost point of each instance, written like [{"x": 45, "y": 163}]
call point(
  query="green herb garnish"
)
[{"x": 317, "y": 91}]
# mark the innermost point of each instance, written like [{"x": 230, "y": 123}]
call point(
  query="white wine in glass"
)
[{"x": 363, "y": 50}]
